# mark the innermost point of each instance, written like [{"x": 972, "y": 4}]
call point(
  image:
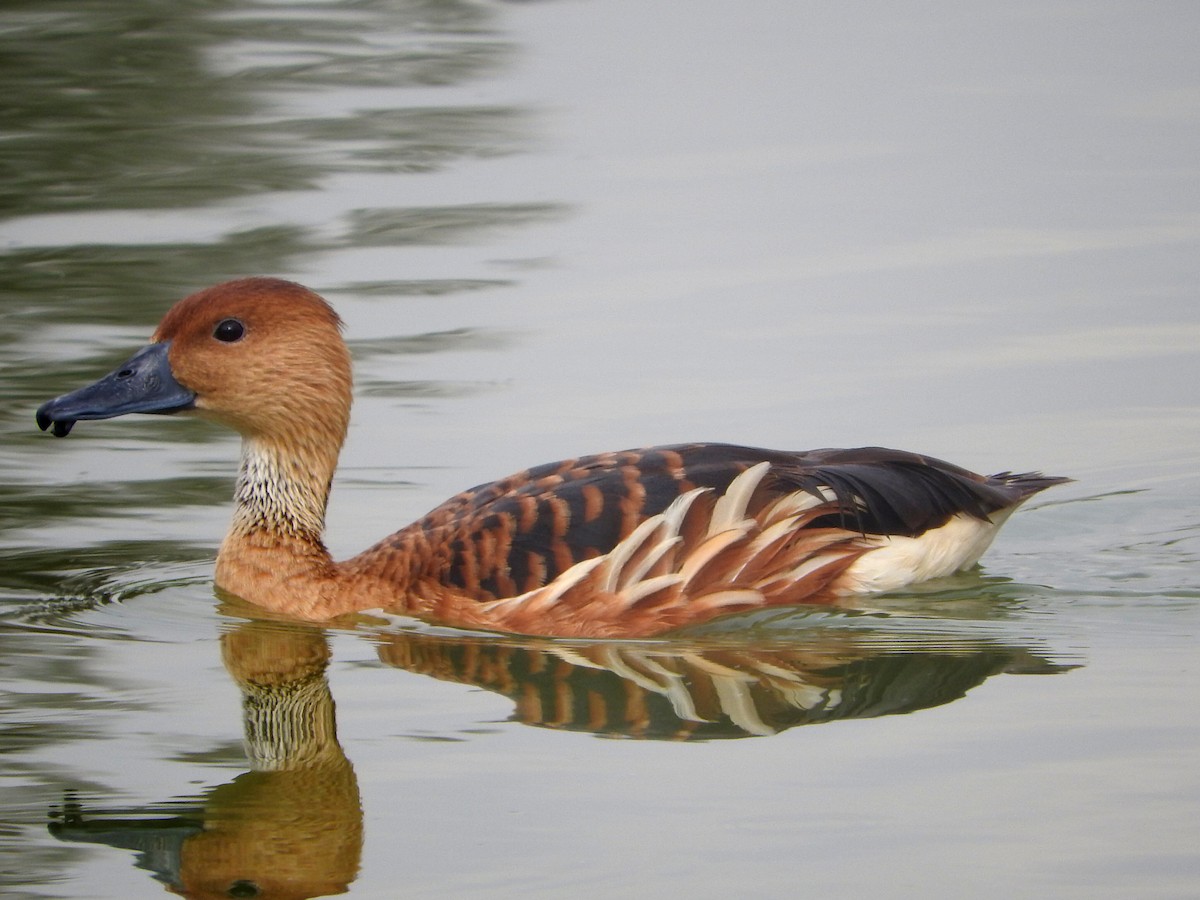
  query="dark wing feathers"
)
[
  {"x": 516, "y": 534},
  {"x": 891, "y": 499},
  {"x": 882, "y": 491}
]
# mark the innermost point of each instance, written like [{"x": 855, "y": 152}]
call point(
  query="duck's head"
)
[{"x": 260, "y": 355}]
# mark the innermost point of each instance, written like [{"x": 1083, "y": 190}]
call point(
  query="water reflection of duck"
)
[
  {"x": 292, "y": 826},
  {"x": 613, "y": 545},
  {"x": 701, "y": 691}
]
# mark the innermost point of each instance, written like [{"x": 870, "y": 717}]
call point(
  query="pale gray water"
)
[{"x": 563, "y": 227}]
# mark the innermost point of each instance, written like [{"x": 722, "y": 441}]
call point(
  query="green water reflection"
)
[
  {"x": 169, "y": 106},
  {"x": 163, "y": 104}
]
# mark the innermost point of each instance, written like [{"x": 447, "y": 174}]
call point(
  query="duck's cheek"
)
[
  {"x": 240, "y": 420},
  {"x": 206, "y": 408}
]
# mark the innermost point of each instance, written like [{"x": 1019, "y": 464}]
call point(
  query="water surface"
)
[{"x": 556, "y": 228}]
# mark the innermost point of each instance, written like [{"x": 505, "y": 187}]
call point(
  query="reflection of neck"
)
[
  {"x": 288, "y": 710},
  {"x": 293, "y": 825},
  {"x": 290, "y": 725}
]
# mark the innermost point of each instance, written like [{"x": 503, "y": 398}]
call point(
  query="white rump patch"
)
[{"x": 898, "y": 561}]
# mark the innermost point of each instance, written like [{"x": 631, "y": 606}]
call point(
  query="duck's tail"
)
[{"x": 1025, "y": 484}]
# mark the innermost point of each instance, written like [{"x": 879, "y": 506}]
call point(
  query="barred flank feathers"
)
[{"x": 698, "y": 559}]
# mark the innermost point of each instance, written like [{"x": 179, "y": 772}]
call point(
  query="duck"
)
[{"x": 627, "y": 544}]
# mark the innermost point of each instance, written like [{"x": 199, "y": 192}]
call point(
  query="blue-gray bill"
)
[{"x": 144, "y": 384}]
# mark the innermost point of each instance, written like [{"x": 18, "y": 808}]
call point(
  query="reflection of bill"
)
[{"x": 292, "y": 825}]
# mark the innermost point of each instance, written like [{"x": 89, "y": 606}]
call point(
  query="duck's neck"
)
[
  {"x": 273, "y": 554},
  {"x": 282, "y": 492}
]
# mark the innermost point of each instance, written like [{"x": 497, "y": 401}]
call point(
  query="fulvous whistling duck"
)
[{"x": 624, "y": 544}]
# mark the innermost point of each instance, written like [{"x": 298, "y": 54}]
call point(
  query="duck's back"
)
[{"x": 511, "y": 536}]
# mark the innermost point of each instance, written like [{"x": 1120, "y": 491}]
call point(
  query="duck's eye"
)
[{"x": 229, "y": 330}]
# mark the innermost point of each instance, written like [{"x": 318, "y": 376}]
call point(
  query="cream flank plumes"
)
[
  {"x": 733, "y": 560},
  {"x": 622, "y": 544}
]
